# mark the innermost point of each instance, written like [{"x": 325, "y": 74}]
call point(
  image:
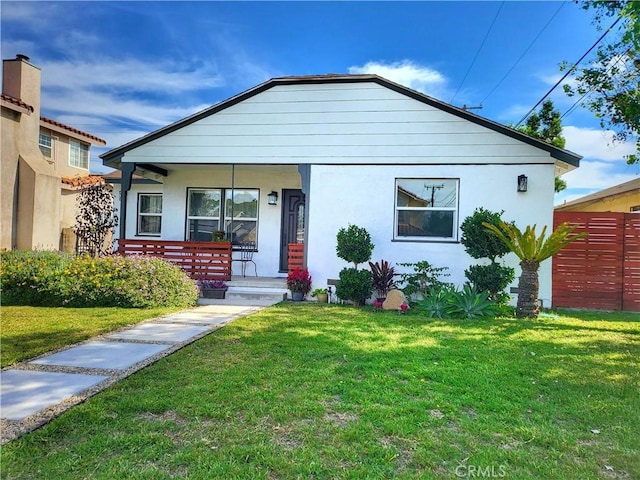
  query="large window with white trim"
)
[
  {"x": 149, "y": 214},
  {"x": 238, "y": 219},
  {"x": 426, "y": 209},
  {"x": 78, "y": 154}
]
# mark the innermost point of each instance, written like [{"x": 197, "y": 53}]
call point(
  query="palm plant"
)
[{"x": 532, "y": 250}]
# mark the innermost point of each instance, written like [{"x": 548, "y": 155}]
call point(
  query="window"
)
[
  {"x": 426, "y": 209},
  {"x": 44, "y": 142},
  {"x": 78, "y": 154},
  {"x": 149, "y": 213},
  {"x": 239, "y": 220}
]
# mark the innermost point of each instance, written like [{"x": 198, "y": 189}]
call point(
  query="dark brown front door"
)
[{"x": 292, "y": 223}]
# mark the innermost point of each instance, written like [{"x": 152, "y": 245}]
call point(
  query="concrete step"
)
[{"x": 258, "y": 291}]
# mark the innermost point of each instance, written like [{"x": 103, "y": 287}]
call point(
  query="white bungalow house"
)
[{"x": 336, "y": 150}]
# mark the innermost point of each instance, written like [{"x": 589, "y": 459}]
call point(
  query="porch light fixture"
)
[
  {"x": 273, "y": 198},
  {"x": 522, "y": 183}
]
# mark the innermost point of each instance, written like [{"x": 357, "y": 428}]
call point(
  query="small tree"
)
[
  {"x": 95, "y": 219},
  {"x": 480, "y": 243},
  {"x": 354, "y": 245},
  {"x": 532, "y": 250}
]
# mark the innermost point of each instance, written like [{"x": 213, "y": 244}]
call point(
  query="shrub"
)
[
  {"x": 355, "y": 285},
  {"x": 492, "y": 278},
  {"x": 423, "y": 278},
  {"x": 354, "y": 245},
  {"x": 382, "y": 277},
  {"x": 478, "y": 242},
  {"x": 436, "y": 302},
  {"x": 96, "y": 219},
  {"x": 83, "y": 281}
]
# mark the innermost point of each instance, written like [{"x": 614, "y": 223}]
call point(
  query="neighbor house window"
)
[
  {"x": 149, "y": 213},
  {"x": 44, "y": 142},
  {"x": 426, "y": 209},
  {"x": 205, "y": 214},
  {"x": 78, "y": 154}
]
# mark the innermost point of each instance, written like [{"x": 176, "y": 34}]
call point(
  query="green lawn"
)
[
  {"x": 325, "y": 391},
  {"x": 26, "y": 332}
]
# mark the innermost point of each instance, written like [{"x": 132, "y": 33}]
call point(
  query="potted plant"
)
[
  {"x": 321, "y": 294},
  {"x": 382, "y": 278},
  {"x": 299, "y": 282},
  {"x": 217, "y": 236},
  {"x": 212, "y": 288}
]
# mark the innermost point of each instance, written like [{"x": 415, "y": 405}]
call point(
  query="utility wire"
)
[
  {"x": 573, "y": 107},
  {"x": 569, "y": 71},
  {"x": 478, "y": 52},
  {"x": 523, "y": 54}
]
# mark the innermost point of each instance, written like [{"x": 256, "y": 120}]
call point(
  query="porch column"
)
[{"x": 127, "y": 169}]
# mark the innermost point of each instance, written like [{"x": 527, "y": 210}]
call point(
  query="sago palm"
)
[{"x": 532, "y": 250}]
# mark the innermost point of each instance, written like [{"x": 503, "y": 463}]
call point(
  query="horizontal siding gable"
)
[{"x": 362, "y": 123}]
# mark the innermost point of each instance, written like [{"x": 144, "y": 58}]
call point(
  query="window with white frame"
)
[
  {"x": 78, "y": 154},
  {"x": 149, "y": 214},
  {"x": 238, "y": 219},
  {"x": 426, "y": 209},
  {"x": 44, "y": 142}
]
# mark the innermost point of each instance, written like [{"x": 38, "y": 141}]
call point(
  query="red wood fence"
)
[
  {"x": 296, "y": 256},
  {"x": 601, "y": 271},
  {"x": 199, "y": 260}
]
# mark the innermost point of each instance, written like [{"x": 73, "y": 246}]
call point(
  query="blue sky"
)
[{"x": 122, "y": 69}]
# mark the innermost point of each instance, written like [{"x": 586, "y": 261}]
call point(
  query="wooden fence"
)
[
  {"x": 199, "y": 260},
  {"x": 601, "y": 271}
]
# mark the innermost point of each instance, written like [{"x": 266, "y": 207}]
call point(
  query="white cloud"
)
[
  {"x": 409, "y": 74},
  {"x": 163, "y": 77},
  {"x": 596, "y": 144}
]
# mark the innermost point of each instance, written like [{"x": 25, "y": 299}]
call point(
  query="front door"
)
[{"x": 292, "y": 223}]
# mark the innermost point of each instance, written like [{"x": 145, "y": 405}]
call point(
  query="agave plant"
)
[
  {"x": 469, "y": 303},
  {"x": 532, "y": 250}
]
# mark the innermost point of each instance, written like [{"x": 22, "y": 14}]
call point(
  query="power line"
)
[
  {"x": 573, "y": 107},
  {"x": 569, "y": 71},
  {"x": 478, "y": 51},
  {"x": 523, "y": 53}
]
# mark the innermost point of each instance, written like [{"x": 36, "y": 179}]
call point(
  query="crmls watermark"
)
[{"x": 474, "y": 471}]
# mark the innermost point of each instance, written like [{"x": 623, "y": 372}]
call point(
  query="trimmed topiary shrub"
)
[
  {"x": 354, "y": 245},
  {"x": 53, "y": 279},
  {"x": 355, "y": 285}
]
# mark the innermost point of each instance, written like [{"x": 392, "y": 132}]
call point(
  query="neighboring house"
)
[
  {"x": 44, "y": 165},
  {"x": 624, "y": 198},
  {"x": 337, "y": 150}
]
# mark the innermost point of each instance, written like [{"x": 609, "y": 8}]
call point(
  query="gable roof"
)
[
  {"x": 111, "y": 157},
  {"x": 620, "y": 189}
]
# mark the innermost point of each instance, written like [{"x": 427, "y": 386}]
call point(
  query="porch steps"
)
[{"x": 257, "y": 291}]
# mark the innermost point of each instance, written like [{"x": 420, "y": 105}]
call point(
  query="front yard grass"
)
[
  {"x": 26, "y": 332},
  {"x": 325, "y": 391}
]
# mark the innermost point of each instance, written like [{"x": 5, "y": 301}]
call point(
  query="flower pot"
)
[
  {"x": 297, "y": 296},
  {"x": 218, "y": 293},
  {"x": 322, "y": 297}
]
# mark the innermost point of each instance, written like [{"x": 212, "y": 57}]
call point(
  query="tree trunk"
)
[{"x": 528, "y": 286}]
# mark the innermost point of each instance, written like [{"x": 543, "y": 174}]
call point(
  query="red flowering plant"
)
[{"x": 299, "y": 280}]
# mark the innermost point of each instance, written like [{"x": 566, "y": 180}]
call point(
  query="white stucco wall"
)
[{"x": 365, "y": 197}]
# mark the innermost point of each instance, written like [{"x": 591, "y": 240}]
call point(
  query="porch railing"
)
[{"x": 199, "y": 260}]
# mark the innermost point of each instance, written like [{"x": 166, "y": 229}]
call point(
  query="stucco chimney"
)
[{"x": 21, "y": 80}]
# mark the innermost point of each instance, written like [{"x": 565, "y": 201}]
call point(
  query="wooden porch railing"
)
[
  {"x": 295, "y": 256},
  {"x": 199, "y": 260}
]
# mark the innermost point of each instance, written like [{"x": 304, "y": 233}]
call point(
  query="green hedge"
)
[{"x": 53, "y": 279}]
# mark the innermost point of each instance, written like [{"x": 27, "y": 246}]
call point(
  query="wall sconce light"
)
[
  {"x": 522, "y": 183},
  {"x": 272, "y": 198}
]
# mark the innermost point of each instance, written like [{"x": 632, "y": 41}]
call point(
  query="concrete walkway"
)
[{"x": 37, "y": 390}]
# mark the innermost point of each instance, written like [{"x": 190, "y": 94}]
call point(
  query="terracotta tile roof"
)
[
  {"x": 82, "y": 180},
  {"x": 15, "y": 101},
  {"x": 55, "y": 123}
]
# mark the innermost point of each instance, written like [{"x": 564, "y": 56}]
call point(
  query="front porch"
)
[{"x": 256, "y": 291}]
